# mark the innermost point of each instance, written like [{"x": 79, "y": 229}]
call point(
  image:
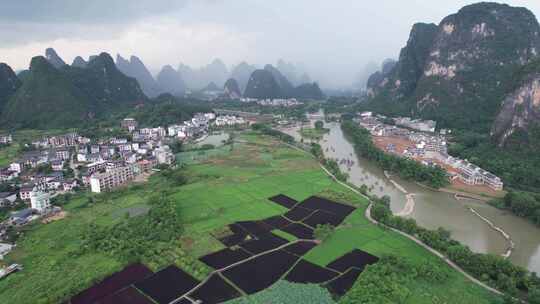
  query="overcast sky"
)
[{"x": 334, "y": 39}]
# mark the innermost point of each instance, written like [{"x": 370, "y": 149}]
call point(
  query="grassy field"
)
[
  {"x": 312, "y": 133},
  {"x": 227, "y": 187},
  {"x": 8, "y": 154}
]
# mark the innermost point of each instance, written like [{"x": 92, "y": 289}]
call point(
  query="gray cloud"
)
[
  {"x": 84, "y": 11},
  {"x": 334, "y": 39}
]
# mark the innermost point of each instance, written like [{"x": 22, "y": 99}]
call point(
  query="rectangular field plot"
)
[
  {"x": 343, "y": 283},
  {"x": 238, "y": 236},
  {"x": 224, "y": 258},
  {"x": 322, "y": 217},
  {"x": 300, "y": 248},
  {"x": 263, "y": 244},
  {"x": 215, "y": 290},
  {"x": 344, "y": 241},
  {"x": 260, "y": 273},
  {"x": 319, "y": 203},
  {"x": 129, "y": 275},
  {"x": 128, "y": 295},
  {"x": 167, "y": 285},
  {"x": 255, "y": 228},
  {"x": 305, "y": 272},
  {"x": 300, "y": 231},
  {"x": 356, "y": 258},
  {"x": 277, "y": 221},
  {"x": 297, "y": 214},
  {"x": 284, "y": 201}
]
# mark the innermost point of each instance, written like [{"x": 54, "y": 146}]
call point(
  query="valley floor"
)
[{"x": 229, "y": 186}]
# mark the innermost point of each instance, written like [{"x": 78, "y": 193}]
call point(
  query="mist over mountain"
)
[
  {"x": 363, "y": 75},
  {"x": 284, "y": 84},
  {"x": 197, "y": 79},
  {"x": 232, "y": 89},
  {"x": 262, "y": 84},
  {"x": 53, "y": 58},
  {"x": 79, "y": 62},
  {"x": 135, "y": 68},
  {"x": 241, "y": 73},
  {"x": 171, "y": 81},
  {"x": 270, "y": 83}
]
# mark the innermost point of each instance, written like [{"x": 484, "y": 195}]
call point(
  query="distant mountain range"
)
[
  {"x": 53, "y": 94},
  {"x": 478, "y": 69},
  {"x": 135, "y": 68},
  {"x": 270, "y": 83}
]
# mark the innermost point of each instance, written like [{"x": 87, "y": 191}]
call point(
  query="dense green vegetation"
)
[
  {"x": 284, "y": 292},
  {"x": 313, "y": 133},
  {"x": 471, "y": 98},
  {"x": 406, "y": 168},
  {"x": 323, "y": 232},
  {"x": 388, "y": 281},
  {"x": 9, "y": 83},
  {"x": 524, "y": 204},
  {"x": 517, "y": 163},
  {"x": 267, "y": 130},
  {"x": 491, "y": 269},
  {"x": 66, "y": 97},
  {"x": 357, "y": 232}
]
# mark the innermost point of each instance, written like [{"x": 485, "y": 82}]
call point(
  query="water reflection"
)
[{"x": 436, "y": 209}]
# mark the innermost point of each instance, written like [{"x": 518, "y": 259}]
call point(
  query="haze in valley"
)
[{"x": 337, "y": 42}]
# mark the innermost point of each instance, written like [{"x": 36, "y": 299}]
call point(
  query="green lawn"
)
[
  {"x": 313, "y": 133},
  {"x": 285, "y": 235},
  {"x": 227, "y": 187},
  {"x": 8, "y": 154}
]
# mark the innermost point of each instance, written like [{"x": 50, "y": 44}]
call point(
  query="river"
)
[{"x": 433, "y": 209}]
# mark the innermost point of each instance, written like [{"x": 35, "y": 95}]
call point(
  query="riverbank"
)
[
  {"x": 414, "y": 239},
  {"x": 511, "y": 246},
  {"x": 434, "y": 209}
]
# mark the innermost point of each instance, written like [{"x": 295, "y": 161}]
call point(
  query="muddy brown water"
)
[{"x": 437, "y": 209}]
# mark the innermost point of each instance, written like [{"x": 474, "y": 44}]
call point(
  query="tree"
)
[
  {"x": 364, "y": 189},
  {"x": 319, "y": 125},
  {"x": 323, "y": 232},
  {"x": 380, "y": 212},
  {"x": 534, "y": 296},
  {"x": 176, "y": 146}
]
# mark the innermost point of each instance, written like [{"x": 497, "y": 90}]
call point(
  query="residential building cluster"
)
[
  {"x": 280, "y": 102},
  {"x": 63, "y": 163},
  {"x": 275, "y": 102},
  {"x": 471, "y": 174},
  {"x": 193, "y": 128},
  {"x": 229, "y": 121},
  {"x": 427, "y": 147},
  {"x": 416, "y": 124}
]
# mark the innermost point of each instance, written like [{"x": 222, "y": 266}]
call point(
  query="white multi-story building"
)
[
  {"x": 40, "y": 200},
  {"x": 164, "y": 155},
  {"x": 111, "y": 179},
  {"x": 474, "y": 175},
  {"x": 229, "y": 121},
  {"x": 130, "y": 124}
]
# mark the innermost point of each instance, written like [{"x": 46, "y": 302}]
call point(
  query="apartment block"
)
[{"x": 111, "y": 179}]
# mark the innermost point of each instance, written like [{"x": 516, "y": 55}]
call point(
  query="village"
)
[
  {"x": 56, "y": 165},
  {"x": 417, "y": 139},
  {"x": 275, "y": 102}
]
